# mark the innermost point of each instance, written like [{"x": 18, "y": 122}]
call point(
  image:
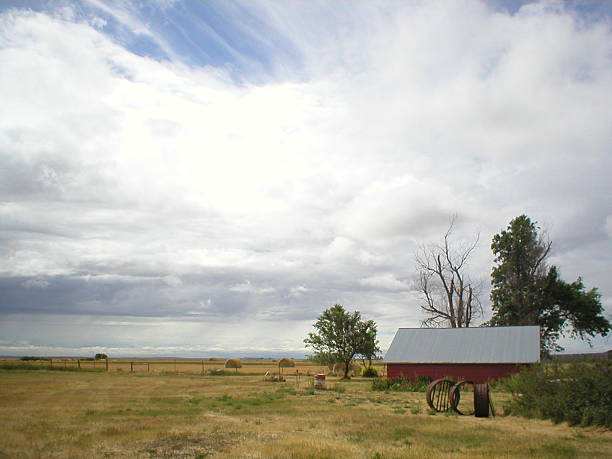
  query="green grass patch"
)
[
  {"x": 559, "y": 450},
  {"x": 247, "y": 405},
  {"x": 339, "y": 388},
  {"x": 401, "y": 384}
]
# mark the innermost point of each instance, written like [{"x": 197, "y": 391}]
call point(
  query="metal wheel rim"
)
[
  {"x": 455, "y": 397},
  {"x": 438, "y": 395}
]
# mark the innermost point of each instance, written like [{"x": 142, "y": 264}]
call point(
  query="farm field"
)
[
  {"x": 249, "y": 366},
  {"x": 60, "y": 414}
]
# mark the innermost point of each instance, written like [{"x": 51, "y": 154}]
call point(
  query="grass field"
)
[{"x": 86, "y": 414}]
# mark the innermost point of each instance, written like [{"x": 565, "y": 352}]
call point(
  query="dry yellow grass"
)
[
  {"x": 254, "y": 367},
  {"x": 82, "y": 414}
]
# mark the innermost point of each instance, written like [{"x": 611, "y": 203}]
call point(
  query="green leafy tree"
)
[
  {"x": 340, "y": 336},
  {"x": 100, "y": 356},
  {"x": 526, "y": 291},
  {"x": 368, "y": 347}
]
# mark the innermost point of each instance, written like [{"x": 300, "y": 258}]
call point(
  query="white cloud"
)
[
  {"x": 298, "y": 291},
  {"x": 247, "y": 287},
  {"x": 173, "y": 281},
  {"x": 385, "y": 281}
]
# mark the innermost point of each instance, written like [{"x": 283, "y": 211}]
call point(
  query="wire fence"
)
[{"x": 210, "y": 366}]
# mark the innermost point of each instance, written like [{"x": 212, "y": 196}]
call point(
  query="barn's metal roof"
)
[{"x": 465, "y": 345}]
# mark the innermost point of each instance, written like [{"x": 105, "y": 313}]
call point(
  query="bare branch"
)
[{"x": 449, "y": 297}]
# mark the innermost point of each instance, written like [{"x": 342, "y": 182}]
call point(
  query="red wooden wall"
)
[{"x": 475, "y": 372}]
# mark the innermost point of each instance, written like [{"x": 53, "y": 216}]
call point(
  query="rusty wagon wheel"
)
[
  {"x": 455, "y": 397},
  {"x": 438, "y": 395},
  {"x": 481, "y": 400}
]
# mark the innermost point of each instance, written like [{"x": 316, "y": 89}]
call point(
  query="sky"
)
[{"x": 196, "y": 179}]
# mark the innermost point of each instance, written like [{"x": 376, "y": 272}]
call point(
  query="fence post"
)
[
  {"x": 131, "y": 367},
  {"x": 79, "y": 364},
  {"x": 106, "y": 364},
  {"x": 202, "y": 366},
  {"x": 175, "y": 365},
  {"x": 51, "y": 362},
  {"x": 147, "y": 367}
]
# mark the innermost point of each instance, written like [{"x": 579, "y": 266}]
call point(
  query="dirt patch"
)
[{"x": 187, "y": 446}]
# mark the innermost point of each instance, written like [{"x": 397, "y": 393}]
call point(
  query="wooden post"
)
[
  {"x": 175, "y": 365},
  {"x": 131, "y": 367},
  {"x": 202, "y": 366},
  {"x": 147, "y": 367},
  {"x": 51, "y": 362},
  {"x": 79, "y": 364},
  {"x": 106, "y": 364}
]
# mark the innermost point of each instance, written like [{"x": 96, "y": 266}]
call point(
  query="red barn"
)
[{"x": 476, "y": 354}]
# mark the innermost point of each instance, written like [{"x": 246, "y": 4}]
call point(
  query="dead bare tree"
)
[{"x": 450, "y": 297}]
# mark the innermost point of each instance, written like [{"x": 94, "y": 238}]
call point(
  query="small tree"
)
[
  {"x": 233, "y": 363},
  {"x": 340, "y": 335},
  {"x": 100, "y": 356}
]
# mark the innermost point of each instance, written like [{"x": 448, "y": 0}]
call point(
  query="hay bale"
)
[
  {"x": 286, "y": 362},
  {"x": 233, "y": 363}
]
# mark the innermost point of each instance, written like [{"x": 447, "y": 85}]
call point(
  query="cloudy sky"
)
[{"x": 204, "y": 178}]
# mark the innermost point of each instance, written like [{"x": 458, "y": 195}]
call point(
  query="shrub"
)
[
  {"x": 369, "y": 372},
  {"x": 402, "y": 384},
  {"x": 579, "y": 394},
  {"x": 381, "y": 384},
  {"x": 28, "y": 358}
]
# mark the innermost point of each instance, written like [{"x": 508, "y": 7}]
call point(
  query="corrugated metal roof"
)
[{"x": 465, "y": 345}]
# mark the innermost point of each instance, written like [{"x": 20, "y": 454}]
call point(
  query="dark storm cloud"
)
[
  {"x": 197, "y": 297},
  {"x": 212, "y": 296}
]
